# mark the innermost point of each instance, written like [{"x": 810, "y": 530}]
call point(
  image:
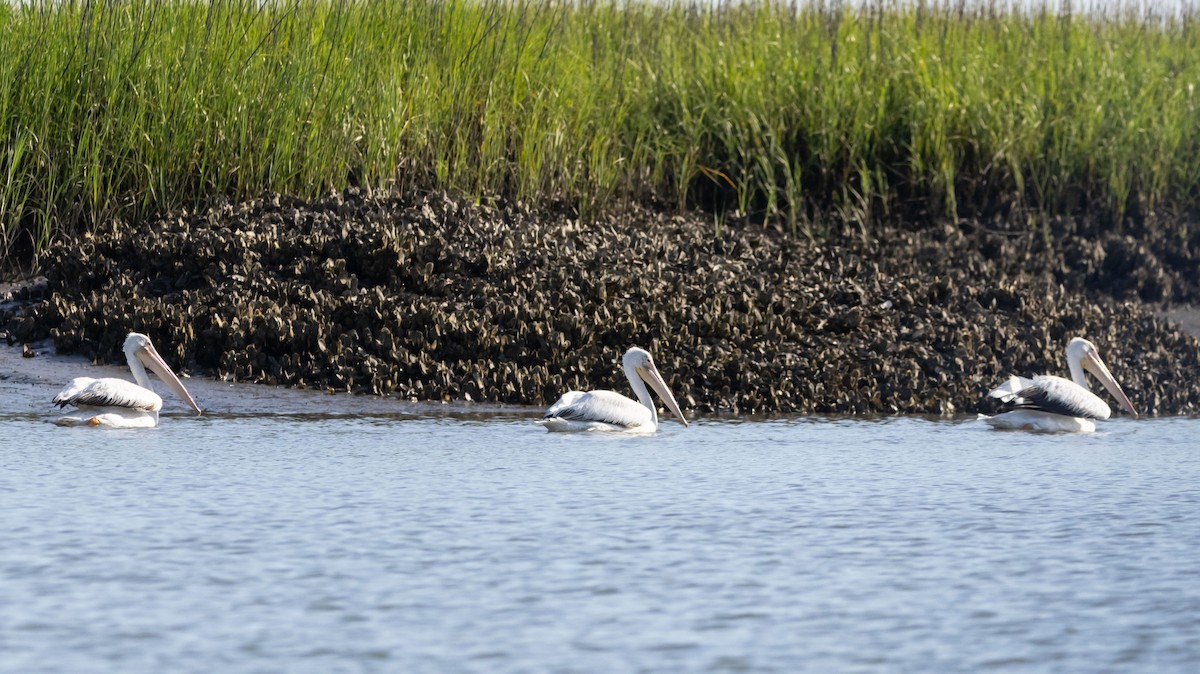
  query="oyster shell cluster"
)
[{"x": 431, "y": 297}]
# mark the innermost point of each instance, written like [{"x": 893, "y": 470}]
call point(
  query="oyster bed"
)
[{"x": 430, "y": 297}]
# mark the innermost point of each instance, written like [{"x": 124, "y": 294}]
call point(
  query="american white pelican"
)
[
  {"x": 611, "y": 411},
  {"x": 117, "y": 403},
  {"x": 1049, "y": 403}
]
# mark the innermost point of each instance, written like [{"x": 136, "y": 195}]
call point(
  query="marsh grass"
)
[{"x": 789, "y": 112}]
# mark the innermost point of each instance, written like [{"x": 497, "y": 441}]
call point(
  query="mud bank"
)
[{"x": 434, "y": 298}]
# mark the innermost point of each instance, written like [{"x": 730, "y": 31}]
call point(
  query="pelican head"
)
[
  {"x": 139, "y": 350},
  {"x": 639, "y": 361},
  {"x": 1082, "y": 355}
]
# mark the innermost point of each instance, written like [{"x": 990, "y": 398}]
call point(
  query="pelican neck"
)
[
  {"x": 1077, "y": 374},
  {"x": 643, "y": 393},
  {"x": 139, "y": 370}
]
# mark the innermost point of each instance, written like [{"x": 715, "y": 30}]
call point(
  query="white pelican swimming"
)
[
  {"x": 117, "y": 403},
  {"x": 611, "y": 411},
  {"x": 1048, "y": 403}
]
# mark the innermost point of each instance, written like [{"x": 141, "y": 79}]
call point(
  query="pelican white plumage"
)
[
  {"x": 611, "y": 411},
  {"x": 117, "y": 403},
  {"x": 1049, "y": 403}
]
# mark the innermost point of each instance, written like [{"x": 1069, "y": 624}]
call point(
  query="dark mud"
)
[{"x": 434, "y": 298}]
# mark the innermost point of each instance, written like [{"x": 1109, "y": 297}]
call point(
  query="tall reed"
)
[{"x": 123, "y": 108}]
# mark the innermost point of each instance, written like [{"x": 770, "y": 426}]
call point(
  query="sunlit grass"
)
[{"x": 121, "y": 109}]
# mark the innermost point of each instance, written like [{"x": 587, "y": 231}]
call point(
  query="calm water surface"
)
[{"x": 387, "y": 538}]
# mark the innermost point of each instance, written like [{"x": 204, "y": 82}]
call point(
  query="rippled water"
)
[{"x": 295, "y": 532}]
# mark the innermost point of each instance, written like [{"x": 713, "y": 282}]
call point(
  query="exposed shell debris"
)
[{"x": 431, "y": 297}]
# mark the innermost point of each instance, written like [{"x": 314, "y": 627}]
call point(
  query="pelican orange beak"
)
[
  {"x": 650, "y": 375},
  {"x": 1092, "y": 363},
  {"x": 150, "y": 358}
]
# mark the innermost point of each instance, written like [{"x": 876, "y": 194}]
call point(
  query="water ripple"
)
[{"x": 329, "y": 543}]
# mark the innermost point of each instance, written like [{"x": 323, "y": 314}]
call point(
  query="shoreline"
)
[
  {"x": 428, "y": 297},
  {"x": 41, "y": 376}
]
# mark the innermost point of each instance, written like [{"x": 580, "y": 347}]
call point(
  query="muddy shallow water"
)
[{"x": 296, "y": 531}]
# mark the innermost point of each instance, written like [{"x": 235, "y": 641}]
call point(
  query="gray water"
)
[{"x": 295, "y": 532}]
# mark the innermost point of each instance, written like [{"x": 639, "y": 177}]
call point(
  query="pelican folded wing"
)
[{"x": 1059, "y": 396}]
